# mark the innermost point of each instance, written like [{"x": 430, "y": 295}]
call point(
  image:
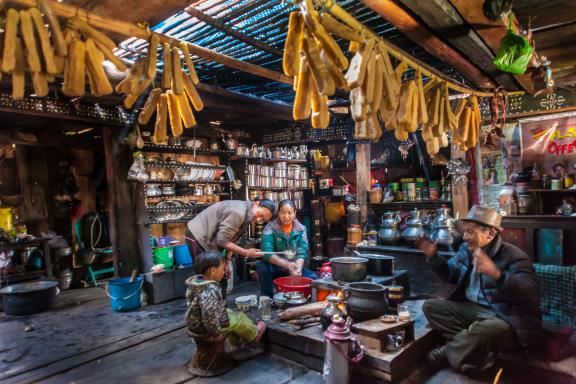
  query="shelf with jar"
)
[{"x": 184, "y": 149}]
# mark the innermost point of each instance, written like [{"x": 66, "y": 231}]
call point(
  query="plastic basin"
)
[{"x": 294, "y": 284}]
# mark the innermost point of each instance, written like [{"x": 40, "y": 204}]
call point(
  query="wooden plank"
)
[
  {"x": 195, "y": 12},
  {"x": 421, "y": 35},
  {"x": 131, "y": 30},
  {"x": 544, "y": 14},
  {"x": 491, "y": 32},
  {"x": 95, "y": 331},
  {"x": 459, "y": 190},
  {"x": 161, "y": 359},
  {"x": 362, "y": 178},
  {"x": 441, "y": 16},
  {"x": 313, "y": 362}
]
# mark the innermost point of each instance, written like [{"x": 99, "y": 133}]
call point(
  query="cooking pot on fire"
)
[{"x": 349, "y": 268}]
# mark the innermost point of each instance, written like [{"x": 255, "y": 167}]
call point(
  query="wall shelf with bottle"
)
[
  {"x": 271, "y": 160},
  {"x": 403, "y": 205}
]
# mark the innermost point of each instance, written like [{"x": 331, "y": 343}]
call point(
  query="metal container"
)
[
  {"x": 283, "y": 195},
  {"x": 349, "y": 268},
  {"x": 271, "y": 195},
  {"x": 168, "y": 190},
  {"x": 28, "y": 298},
  {"x": 281, "y": 165},
  {"x": 280, "y": 172},
  {"x": 292, "y": 183},
  {"x": 381, "y": 265},
  {"x": 278, "y": 182},
  {"x": 254, "y": 169},
  {"x": 389, "y": 232},
  {"x": 267, "y": 171},
  {"x": 253, "y": 180},
  {"x": 277, "y": 153},
  {"x": 299, "y": 203},
  {"x": 303, "y": 183},
  {"x": 265, "y": 181},
  {"x": 365, "y": 301},
  {"x": 415, "y": 227},
  {"x": 294, "y": 171},
  {"x": 303, "y": 173}
]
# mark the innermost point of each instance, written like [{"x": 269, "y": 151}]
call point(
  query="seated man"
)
[{"x": 495, "y": 304}]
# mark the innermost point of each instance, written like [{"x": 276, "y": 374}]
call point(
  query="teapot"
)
[
  {"x": 230, "y": 142},
  {"x": 445, "y": 232},
  {"x": 415, "y": 227},
  {"x": 389, "y": 232}
]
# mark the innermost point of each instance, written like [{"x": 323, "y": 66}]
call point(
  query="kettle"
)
[
  {"x": 389, "y": 232},
  {"x": 415, "y": 227}
]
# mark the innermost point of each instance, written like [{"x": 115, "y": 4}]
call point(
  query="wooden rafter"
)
[
  {"x": 491, "y": 32},
  {"x": 132, "y": 30},
  {"x": 194, "y": 12},
  {"x": 412, "y": 28},
  {"x": 441, "y": 16}
]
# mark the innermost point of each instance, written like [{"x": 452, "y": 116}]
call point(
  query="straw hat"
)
[{"x": 485, "y": 216}]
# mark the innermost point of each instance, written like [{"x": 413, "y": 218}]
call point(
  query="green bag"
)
[{"x": 514, "y": 53}]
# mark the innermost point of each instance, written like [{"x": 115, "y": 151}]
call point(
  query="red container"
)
[{"x": 294, "y": 284}]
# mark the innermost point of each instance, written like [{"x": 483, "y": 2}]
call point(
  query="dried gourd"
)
[
  {"x": 91, "y": 32},
  {"x": 292, "y": 45},
  {"x": 55, "y": 30},
  {"x": 177, "y": 78},
  {"x": 192, "y": 94},
  {"x": 94, "y": 58},
  {"x": 40, "y": 84},
  {"x": 152, "y": 58},
  {"x": 133, "y": 96},
  {"x": 301, "y": 107},
  {"x": 150, "y": 106},
  {"x": 10, "y": 36},
  {"x": 111, "y": 57},
  {"x": 167, "y": 70},
  {"x": 357, "y": 70},
  {"x": 339, "y": 29},
  {"x": 318, "y": 70},
  {"x": 27, "y": 29},
  {"x": 75, "y": 70},
  {"x": 160, "y": 129},
  {"x": 45, "y": 46},
  {"x": 185, "y": 111},
  {"x": 174, "y": 114},
  {"x": 18, "y": 80},
  {"x": 189, "y": 64}
]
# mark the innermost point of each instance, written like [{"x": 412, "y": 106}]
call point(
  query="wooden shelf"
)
[
  {"x": 403, "y": 205},
  {"x": 176, "y": 165},
  {"x": 185, "y": 150},
  {"x": 263, "y": 159},
  {"x": 553, "y": 190}
]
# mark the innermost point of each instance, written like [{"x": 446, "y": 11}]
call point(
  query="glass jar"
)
[
  {"x": 568, "y": 181},
  {"x": 354, "y": 234},
  {"x": 265, "y": 308}
]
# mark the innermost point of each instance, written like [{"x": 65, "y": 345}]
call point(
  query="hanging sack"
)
[{"x": 514, "y": 53}]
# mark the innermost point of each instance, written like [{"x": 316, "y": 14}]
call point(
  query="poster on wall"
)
[{"x": 550, "y": 144}]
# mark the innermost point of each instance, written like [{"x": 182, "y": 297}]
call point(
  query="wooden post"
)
[
  {"x": 363, "y": 178},
  {"x": 460, "y": 198},
  {"x": 120, "y": 207},
  {"x": 478, "y": 171}
]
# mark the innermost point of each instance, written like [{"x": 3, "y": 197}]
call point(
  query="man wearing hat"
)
[{"x": 495, "y": 305}]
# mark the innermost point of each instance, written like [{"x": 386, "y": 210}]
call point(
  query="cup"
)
[{"x": 403, "y": 312}]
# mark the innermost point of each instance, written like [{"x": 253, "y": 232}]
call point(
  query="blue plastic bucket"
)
[
  {"x": 182, "y": 255},
  {"x": 123, "y": 294}
]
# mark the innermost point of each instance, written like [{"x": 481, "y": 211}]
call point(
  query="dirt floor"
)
[{"x": 82, "y": 340}]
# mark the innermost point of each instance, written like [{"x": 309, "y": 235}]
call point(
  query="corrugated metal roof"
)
[{"x": 265, "y": 21}]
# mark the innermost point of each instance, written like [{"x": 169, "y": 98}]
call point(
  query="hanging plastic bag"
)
[
  {"x": 514, "y": 53},
  {"x": 137, "y": 171}
]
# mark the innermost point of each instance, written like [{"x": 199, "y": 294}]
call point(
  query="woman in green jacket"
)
[{"x": 283, "y": 234}]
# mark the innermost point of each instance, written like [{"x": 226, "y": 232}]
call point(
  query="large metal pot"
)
[
  {"x": 365, "y": 301},
  {"x": 381, "y": 265},
  {"x": 349, "y": 268},
  {"x": 28, "y": 298},
  {"x": 415, "y": 227}
]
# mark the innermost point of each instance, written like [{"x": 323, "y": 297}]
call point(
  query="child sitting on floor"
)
[{"x": 207, "y": 315}]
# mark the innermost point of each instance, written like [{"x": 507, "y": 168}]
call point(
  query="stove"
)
[{"x": 400, "y": 277}]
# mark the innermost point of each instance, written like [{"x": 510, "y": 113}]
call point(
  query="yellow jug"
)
[{"x": 6, "y": 219}]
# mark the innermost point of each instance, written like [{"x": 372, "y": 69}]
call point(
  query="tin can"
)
[
  {"x": 568, "y": 181},
  {"x": 411, "y": 191},
  {"x": 372, "y": 238},
  {"x": 556, "y": 184}
]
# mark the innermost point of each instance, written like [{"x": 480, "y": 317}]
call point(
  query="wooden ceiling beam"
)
[
  {"x": 131, "y": 30},
  {"x": 491, "y": 32},
  {"x": 194, "y": 12},
  {"x": 420, "y": 34},
  {"x": 440, "y": 16}
]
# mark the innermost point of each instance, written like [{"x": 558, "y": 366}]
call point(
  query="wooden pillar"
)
[
  {"x": 460, "y": 197},
  {"x": 363, "y": 178},
  {"x": 478, "y": 170},
  {"x": 120, "y": 207}
]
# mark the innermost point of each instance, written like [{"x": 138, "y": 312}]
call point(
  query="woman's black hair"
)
[
  {"x": 268, "y": 204},
  {"x": 287, "y": 202},
  {"x": 207, "y": 260}
]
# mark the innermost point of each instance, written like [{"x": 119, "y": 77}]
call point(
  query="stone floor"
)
[{"x": 82, "y": 340}]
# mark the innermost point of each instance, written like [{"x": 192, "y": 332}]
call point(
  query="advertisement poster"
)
[{"x": 551, "y": 144}]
